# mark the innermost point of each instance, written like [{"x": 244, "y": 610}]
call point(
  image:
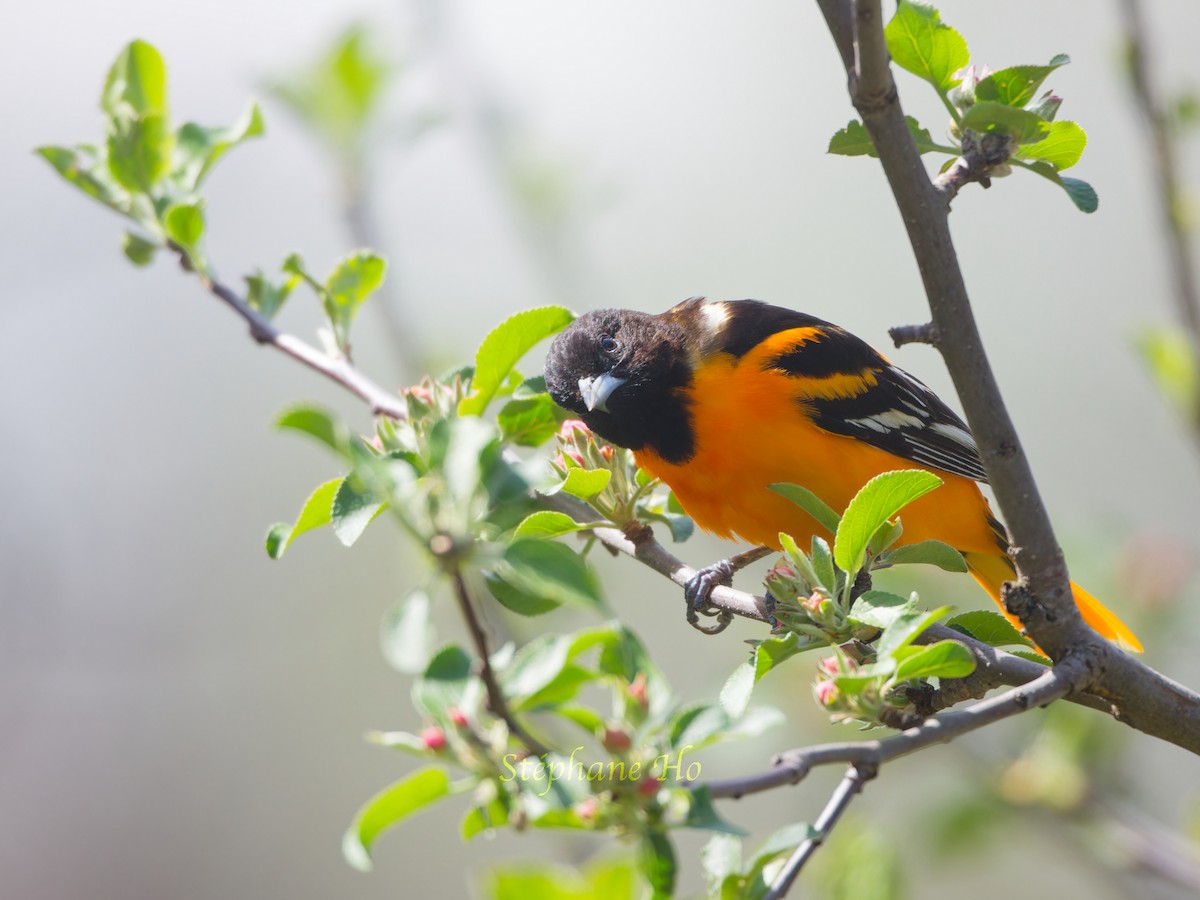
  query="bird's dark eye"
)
[{"x": 609, "y": 344}]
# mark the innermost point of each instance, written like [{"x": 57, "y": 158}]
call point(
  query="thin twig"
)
[
  {"x": 496, "y": 702},
  {"x": 926, "y": 333},
  {"x": 382, "y": 402},
  {"x": 851, "y": 784},
  {"x": 792, "y": 766}
]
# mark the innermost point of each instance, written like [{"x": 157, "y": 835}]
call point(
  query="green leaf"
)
[
  {"x": 885, "y": 535},
  {"x": 1047, "y": 106},
  {"x": 945, "y": 659},
  {"x": 533, "y": 386},
  {"x": 407, "y": 634},
  {"x": 135, "y": 101},
  {"x": 853, "y": 140},
  {"x": 626, "y": 657},
  {"x": 879, "y": 499},
  {"x": 503, "y": 348},
  {"x": 1016, "y": 85},
  {"x": 821, "y": 560},
  {"x": 529, "y": 422},
  {"x": 387, "y": 808},
  {"x": 459, "y": 448},
  {"x": 583, "y": 483},
  {"x": 137, "y": 249},
  {"x": 905, "y": 629},
  {"x": 669, "y": 511},
  {"x": 353, "y": 511},
  {"x": 551, "y": 572},
  {"x": 352, "y": 281},
  {"x": 136, "y": 81},
  {"x": 184, "y": 223},
  {"x": 919, "y": 42},
  {"x": 612, "y": 878},
  {"x": 702, "y": 724},
  {"x": 338, "y": 93},
  {"x": 879, "y": 609},
  {"x": 536, "y": 665},
  {"x": 265, "y": 296},
  {"x": 316, "y": 423},
  {"x": 198, "y": 149},
  {"x": 87, "y": 170},
  {"x": 988, "y": 627},
  {"x": 1082, "y": 194},
  {"x": 1032, "y": 657},
  {"x": 703, "y": 815},
  {"x": 989, "y": 116},
  {"x": 782, "y": 841},
  {"x": 658, "y": 864},
  {"x": 931, "y": 553},
  {"x": 562, "y": 689},
  {"x": 536, "y": 881},
  {"x": 721, "y": 858},
  {"x": 517, "y": 600},
  {"x": 585, "y": 717},
  {"x": 735, "y": 695},
  {"x": 810, "y": 503},
  {"x": 1061, "y": 147},
  {"x": 1168, "y": 354},
  {"x": 139, "y": 151},
  {"x": 546, "y": 524},
  {"x": 443, "y": 682},
  {"x": 483, "y": 818},
  {"x": 313, "y": 514}
]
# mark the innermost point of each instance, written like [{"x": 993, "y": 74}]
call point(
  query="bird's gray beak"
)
[{"x": 596, "y": 391}]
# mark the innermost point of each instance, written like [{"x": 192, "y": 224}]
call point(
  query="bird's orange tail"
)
[{"x": 991, "y": 571}]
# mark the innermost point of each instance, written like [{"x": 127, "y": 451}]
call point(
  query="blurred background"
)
[{"x": 182, "y": 717}]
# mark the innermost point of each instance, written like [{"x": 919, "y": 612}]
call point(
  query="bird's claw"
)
[{"x": 698, "y": 593}]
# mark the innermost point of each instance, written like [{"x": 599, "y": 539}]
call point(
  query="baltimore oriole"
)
[{"x": 720, "y": 400}]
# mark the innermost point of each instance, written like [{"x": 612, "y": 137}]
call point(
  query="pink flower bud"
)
[
  {"x": 648, "y": 787},
  {"x": 434, "y": 738},
  {"x": 616, "y": 739},
  {"x": 587, "y": 809},
  {"x": 637, "y": 691},
  {"x": 572, "y": 427},
  {"x": 827, "y": 693},
  {"x": 829, "y": 666},
  {"x": 458, "y": 717}
]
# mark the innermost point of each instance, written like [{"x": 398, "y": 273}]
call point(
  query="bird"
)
[{"x": 720, "y": 400}]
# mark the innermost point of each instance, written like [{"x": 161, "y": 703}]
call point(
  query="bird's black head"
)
[{"x": 626, "y": 375}]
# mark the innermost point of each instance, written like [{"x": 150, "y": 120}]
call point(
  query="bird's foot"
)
[
  {"x": 698, "y": 594},
  {"x": 699, "y": 589}
]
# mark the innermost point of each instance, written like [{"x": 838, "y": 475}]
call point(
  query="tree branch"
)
[
  {"x": 793, "y": 766},
  {"x": 1139, "y": 695},
  {"x": 382, "y": 402},
  {"x": 850, "y": 786},
  {"x": 496, "y": 702}
]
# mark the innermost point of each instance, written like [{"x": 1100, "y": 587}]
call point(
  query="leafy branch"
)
[{"x": 1042, "y": 600}]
